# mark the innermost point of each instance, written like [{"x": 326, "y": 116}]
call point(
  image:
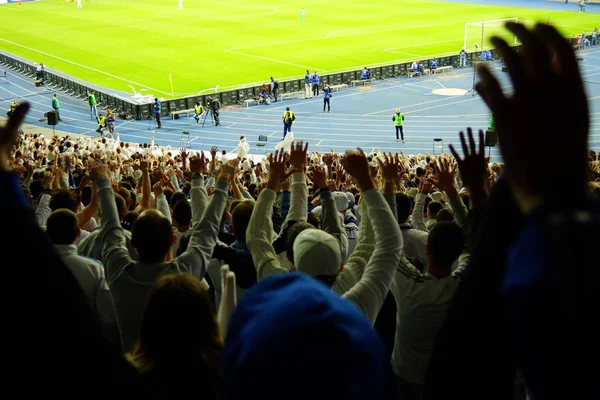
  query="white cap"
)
[
  {"x": 317, "y": 253},
  {"x": 341, "y": 201},
  {"x": 437, "y": 196}
]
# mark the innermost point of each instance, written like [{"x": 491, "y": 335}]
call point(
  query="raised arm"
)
[
  {"x": 445, "y": 181},
  {"x": 370, "y": 292},
  {"x": 299, "y": 192},
  {"x": 331, "y": 221},
  {"x": 114, "y": 249},
  {"x": 204, "y": 236},
  {"x": 161, "y": 200},
  {"x": 260, "y": 227}
]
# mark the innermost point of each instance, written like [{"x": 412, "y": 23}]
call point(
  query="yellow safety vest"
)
[
  {"x": 198, "y": 109},
  {"x": 101, "y": 121}
]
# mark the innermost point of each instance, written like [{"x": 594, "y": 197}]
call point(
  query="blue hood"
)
[{"x": 292, "y": 337}]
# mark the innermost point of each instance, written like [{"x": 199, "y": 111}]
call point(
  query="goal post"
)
[{"x": 477, "y": 34}]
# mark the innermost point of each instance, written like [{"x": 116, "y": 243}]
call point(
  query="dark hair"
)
[
  {"x": 63, "y": 198},
  {"x": 291, "y": 235},
  {"x": 36, "y": 188},
  {"x": 314, "y": 220},
  {"x": 434, "y": 207},
  {"x": 62, "y": 227},
  {"x": 403, "y": 207},
  {"x": 177, "y": 196},
  {"x": 240, "y": 218},
  {"x": 121, "y": 205},
  {"x": 444, "y": 215},
  {"x": 152, "y": 236},
  {"x": 445, "y": 242},
  {"x": 86, "y": 195},
  {"x": 129, "y": 219},
  {"x": 180, "y": 332},
  {"x": 182, "y": 213}
]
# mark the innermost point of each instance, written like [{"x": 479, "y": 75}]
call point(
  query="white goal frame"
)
[{"x": 481, "y": 26}]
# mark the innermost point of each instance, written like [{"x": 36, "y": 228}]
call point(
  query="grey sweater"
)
[{"x": 130, "y": 281}]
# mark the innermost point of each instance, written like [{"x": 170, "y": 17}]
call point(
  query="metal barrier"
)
[{"x": 139, "y": 109}]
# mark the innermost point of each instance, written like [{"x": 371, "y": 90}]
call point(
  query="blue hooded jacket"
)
[{"x": 292, "y": 337}]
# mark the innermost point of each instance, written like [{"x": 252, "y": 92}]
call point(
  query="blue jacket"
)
[
  {"x": 327, "y": 92},
  {"x": 433, "y": 64},
  {"x": 157, "y": 107},
  {"x": 307, "y": 78},
  {"x": 365, "y": 74},
  {"x": 315, "y": 79}
]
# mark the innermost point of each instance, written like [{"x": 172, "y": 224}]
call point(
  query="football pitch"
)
[{"x": 144, "y": 43}]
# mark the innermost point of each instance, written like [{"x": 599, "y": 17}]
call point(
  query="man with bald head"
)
[{"x": 152, "y": 236}]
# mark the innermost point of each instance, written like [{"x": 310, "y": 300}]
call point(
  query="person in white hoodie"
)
[{"x": 243, "y": 148}]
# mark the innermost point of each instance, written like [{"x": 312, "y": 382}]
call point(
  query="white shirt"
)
[
  {"x": 422, "y": 302},
  {"x": 90, "y": 276},
  {"x": 415, "y": 242}
]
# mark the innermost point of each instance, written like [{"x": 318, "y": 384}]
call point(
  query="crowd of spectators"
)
[{"x": 168, "y": 273}]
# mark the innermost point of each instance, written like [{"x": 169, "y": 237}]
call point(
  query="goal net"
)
[{"x": 478, "y": 34}]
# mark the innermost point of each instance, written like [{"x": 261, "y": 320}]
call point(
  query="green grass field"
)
[{"x": 208, "y": 43}]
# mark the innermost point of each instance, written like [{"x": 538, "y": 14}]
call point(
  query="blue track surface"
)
[{"x": 360, "y": 116}]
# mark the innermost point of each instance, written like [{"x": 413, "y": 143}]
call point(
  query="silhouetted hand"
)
[
  {"x": 199, "y": 164},
  {"x": 536, "y": 136},
  {"x": 473, "y": 169},
  {"x": 9, "y": 133}
]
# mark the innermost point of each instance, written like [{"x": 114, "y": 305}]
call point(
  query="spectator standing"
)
[
  {"x": 288, "y": 119},
  {"x": 595, "y": 34},
  {"x": 92, "y": 103},
  {"x": 463, "y": 58},
  {"x": 433, "y": 65},
  {"x": 56, "y": 106},
  {"x": 157, "y": 110},
  {"x": 315, "y": 84},
  {"x": 243, "y": 148},
  {"x": 178, "y": 354},
  {"x": 308, "y": 84},
  {"x": 110, "y": 122},
  {"x": 327, "y": 97},
  {"x": 63, "y": 230},
  {"x": 274, "y": 89},
  {"x": 39, "y": 72},
  {"x": 398, "y": 119},
  {"x": 215, "y": 106},
  {"x": 582, "y": 4}
]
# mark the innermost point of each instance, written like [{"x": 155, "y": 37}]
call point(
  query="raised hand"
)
[
  {"x": 389, "y": 168},
  {"x": 445, "y": 173},
  {"x": 473, "y": 169},
  {"x": 356, "y": 164},
  {"x": 199, "y": 164},
  {"x": 298, "y": 156},
  {"x": 227, "y": 170},
  {"x": 536, "y": 139},
  {"x": 99, "y": 171},
  {"x": 319, "y": 177},
  {"x": 213, "y": 151},
  {"x": 277, "y": 172}
]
